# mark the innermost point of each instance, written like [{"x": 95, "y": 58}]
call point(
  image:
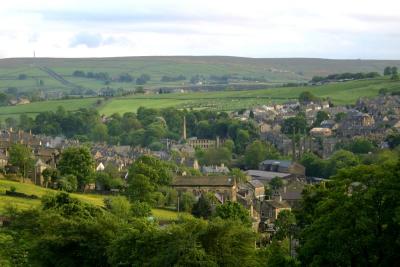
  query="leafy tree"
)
[
  {"x": 259, "y": 151},
  {"x": 387, "y": 71},
  {"x": 100, "y": 133},
  {"x": 140, "y": 209},
  {"x": 393, "y": 140},
  {"x": 186, "y": 201},
  {"x": 119, "y": 206},
  {"x": 106, "y": 181},
  {"x": 229, "y": 243},
  {"x": 202, "y": 208},
  {"x": 276, "y": 183},
  {"x": 79, "y": 162},
  {"x": 315, "y": 166},
  {"x": 360, "y": 146},
  {"x": 340, "y": 116},
  {"x": 307, "y": 97},
  {"x": 284, "y": 224},
  {"x": 140, "y": 188},
  {"x": 341, "y": 159},
  {"x": 294, "y": 125},
  {"x": 68, "y": 183},
  {"x": 25, "y": 122},
  {"x": 238, "y": 175},
  {"x": 351, "y": 221},
  {"x": 233, "y": 211},
  {"x": 50, "y": 176},
  {"x": 21, "y": 156},
  {"x": 321, "y": 116}
]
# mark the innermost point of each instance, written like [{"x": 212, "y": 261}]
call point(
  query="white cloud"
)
[{"x": 285, "y": 28}]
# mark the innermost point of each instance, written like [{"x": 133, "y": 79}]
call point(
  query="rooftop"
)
[{"x": 203, "y": 181}]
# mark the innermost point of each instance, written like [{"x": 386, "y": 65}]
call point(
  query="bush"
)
[{"x": 68, "y": 183}]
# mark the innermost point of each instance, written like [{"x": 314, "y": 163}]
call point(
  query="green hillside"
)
[
  {"x": 30, "y": 189},
  {"x": 339, "y": 93},
  {"x": 273, "y": 71}
]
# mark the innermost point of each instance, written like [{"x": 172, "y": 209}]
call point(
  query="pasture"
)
[
  {"x": 94, "y": 199},
  {"x": 341, "y": 93}
]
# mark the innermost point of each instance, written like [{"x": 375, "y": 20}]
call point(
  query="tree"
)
[
  {"x": 140, "y": 188},
  {"x": 351, "y": 221},
  {"x": 321, "y": 116},
  {"x": 394, "y": 71},
  {"x": 229, "y": 243},
  {"x": 186, "y": 201},
  {"x": 360, "y": 146},
  {"x": 393, "y": 140},
  {"x": 387, "y": 71},
  {"x": 341, "y": 159},
  {"x": 238, "y": 175},
  {"x": 202, "y": 208},
  {"x": 100, "y": 133},
  {"x": 79, "y": 162},
  {"x": 68, "y": 183},
  {"x": 233, "y": 211},
  {"x": 315, "y": 166},
  {"x": 284, "y": 224},
  {"x": 294, "y": 125},
  {"x": 21, "y": 157},
  {"x": 276, "y": 183},
  {"x": 50, "y": 176},
  {"x": 106, "y": 181},
  {"x": 307, "y": 97},
  {"x": 119, "y": 206},
  {"x": 257, "y": 152},
  {"x": 395, "y": 77}
]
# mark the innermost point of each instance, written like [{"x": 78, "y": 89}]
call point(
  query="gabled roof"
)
[
  {"x": 278, "y": 204},
  {"x": 282, "y": 163},
  {"x": 256, "y": 183},
  {"x": 203, "y": 181}
]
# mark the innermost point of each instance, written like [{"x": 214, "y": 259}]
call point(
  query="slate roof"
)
[
  {"x": 266, "y": 175},
  {"x": 283, "y": 163},
  {"x": 256, "y": 183},
  {"x": 278, "y": 204},
  {"x": 203, "y": 181}
]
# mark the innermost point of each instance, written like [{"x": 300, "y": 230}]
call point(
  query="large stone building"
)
[{"x": 224, "y": 187}]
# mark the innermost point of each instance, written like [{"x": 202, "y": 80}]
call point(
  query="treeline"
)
[
  {"x": 66, "y": 232},
  {"x": 145, "y": 128},
  {"x": 172, "y": 78},
  {"x": 107, "y": 78},
  {"x": 345, "y": 76}
]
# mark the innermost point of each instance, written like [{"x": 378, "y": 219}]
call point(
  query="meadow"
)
[
  {"x": 341, "y": 93},
  {"x": 31, "y": 189}
]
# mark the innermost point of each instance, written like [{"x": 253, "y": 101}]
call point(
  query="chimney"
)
[{"x": 184, "y": 128}]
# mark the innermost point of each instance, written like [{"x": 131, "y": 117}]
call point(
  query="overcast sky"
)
[{"x": 253, "y": 28}]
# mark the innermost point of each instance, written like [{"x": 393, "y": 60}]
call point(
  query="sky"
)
[{"x": 356, "y": 29}]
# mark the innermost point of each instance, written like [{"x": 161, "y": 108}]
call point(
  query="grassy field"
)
[
  {"x": 30, "y": 189},
  {"x": 339, "y": 93},
  {"x": 278, "y": 70},
  {"x": 34, "y": 108}
]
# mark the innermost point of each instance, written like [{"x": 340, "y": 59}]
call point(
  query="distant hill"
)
[{"x": 56, "y": 73}]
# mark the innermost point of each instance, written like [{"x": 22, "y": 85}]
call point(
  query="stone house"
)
[{"x": 224, "y": 187}]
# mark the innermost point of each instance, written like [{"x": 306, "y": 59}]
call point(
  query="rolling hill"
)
[
  {"x": 339, "y": 93},
  {"x": 56, "y": 73}
]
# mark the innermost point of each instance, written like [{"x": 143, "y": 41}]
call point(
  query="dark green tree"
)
[{"x": 79, "y": 162}]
